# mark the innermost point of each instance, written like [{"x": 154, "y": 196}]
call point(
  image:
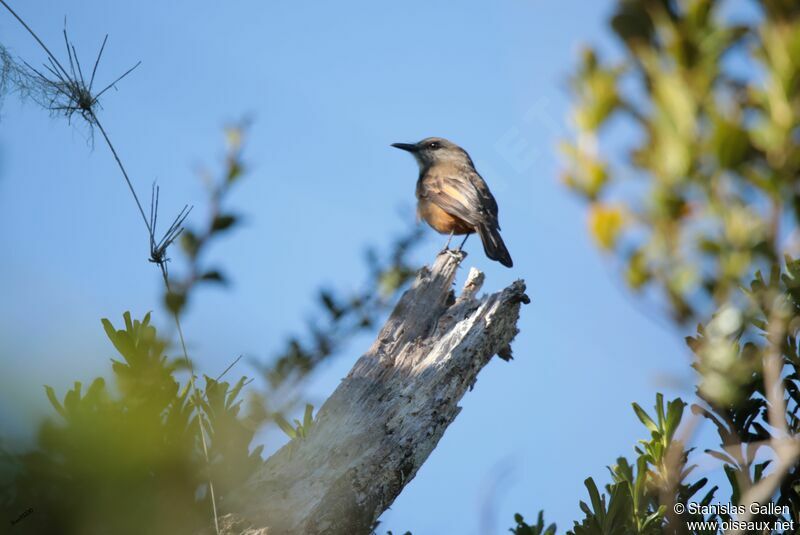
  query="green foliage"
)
[
  {"x": 300, "y": 429},
  {"x": 522, "y": 528},
  {"x": 715, "y": 155},
  {"x": 766, "y": 327},
  {"x": 613, "y": 519},
  {"x": 716, "y": 161},
  {"x": 195, "y": 242},
  {"x": 633, "y": 501},
  {"x": 129, "y": 459}
]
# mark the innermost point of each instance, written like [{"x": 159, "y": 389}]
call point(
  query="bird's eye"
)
[{"x": 433, "y": 145}]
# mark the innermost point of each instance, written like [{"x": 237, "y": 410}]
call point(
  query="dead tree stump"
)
[{"x": 384, "y": 419}]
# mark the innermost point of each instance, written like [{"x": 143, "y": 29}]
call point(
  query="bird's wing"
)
[
  {"x": 461, "y": 193},
  {"x": 488, "y": 202}
]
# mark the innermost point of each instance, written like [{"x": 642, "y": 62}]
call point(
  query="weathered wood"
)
[{"x": 384, "y": 419}]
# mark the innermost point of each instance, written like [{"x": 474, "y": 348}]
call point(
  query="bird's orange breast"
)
[{"x": 440, "y": 220}]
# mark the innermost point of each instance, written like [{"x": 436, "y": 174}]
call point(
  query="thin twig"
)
[
  {"x": 97, "y": 62},
  {"x": 112, "y": 84},
  {"x": 33, "y": 34},
  {"x": 194, "y": 392},
  {"x": 99, "y": 125},
  {"x": 231, "y": 365}
]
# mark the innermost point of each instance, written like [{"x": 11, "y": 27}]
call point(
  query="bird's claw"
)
[{"x": 455, "y": 254}]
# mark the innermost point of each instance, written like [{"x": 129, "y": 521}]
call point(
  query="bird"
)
[{"x": 453, "y": 198}]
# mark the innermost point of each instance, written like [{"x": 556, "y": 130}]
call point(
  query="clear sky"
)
[{"x": 330, "y": 86}]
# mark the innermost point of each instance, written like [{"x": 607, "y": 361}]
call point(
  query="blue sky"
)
[{"x": 330, "y": 86}]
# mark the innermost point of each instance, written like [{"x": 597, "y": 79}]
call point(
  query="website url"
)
[{"x": 739, "y": 525}]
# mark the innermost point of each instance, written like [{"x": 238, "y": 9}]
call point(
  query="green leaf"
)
[
  {"x": 232, "y": 395},
  {"x": 214, "y": 276},
  {"x": 285, "y": 426},
  {"x": 51, "y": 395},
  {"x": 660, "y": 410},
  {"x": 175, "y": 301},
  {"x": 674, "y": 414},
  {"x": 234, "y": 171},
  {"x": 308, "y": 417},
  {"x": 733, "y": 479},
  {"x": 644, "y": 418},
  {"x": 619, "y": 507},
  {"x": 190, "y": 243},
  {"x": 730, "y": 143},
  {"x": 758, "y": 471},
  {"x": 594, "y": 496},
  {"x": 223, "y": 222}
]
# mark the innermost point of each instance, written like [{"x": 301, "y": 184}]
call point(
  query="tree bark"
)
[{"x": 383, "y": 420}]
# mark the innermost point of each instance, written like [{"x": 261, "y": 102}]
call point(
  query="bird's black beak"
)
[{"x": 409, "y": 147}]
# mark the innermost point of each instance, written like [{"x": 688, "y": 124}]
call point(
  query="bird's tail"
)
[{"x": 493, "y": 244}]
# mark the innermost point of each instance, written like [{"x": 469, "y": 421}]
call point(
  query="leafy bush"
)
[
  {"x": 128, "y": 458},
  {"x": 704, "y": 200}
]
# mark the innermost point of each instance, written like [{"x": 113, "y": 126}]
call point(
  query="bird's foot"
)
[{"x": 455, "y": 254}]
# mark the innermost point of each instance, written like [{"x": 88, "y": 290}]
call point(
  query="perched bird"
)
[{"x": 453, "y": 198}]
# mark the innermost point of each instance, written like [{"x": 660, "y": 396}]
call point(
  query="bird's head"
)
[{"x": 434, "y": 150}]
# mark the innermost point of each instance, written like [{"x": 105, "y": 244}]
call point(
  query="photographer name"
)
[{"x": 731, "y": 509}]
